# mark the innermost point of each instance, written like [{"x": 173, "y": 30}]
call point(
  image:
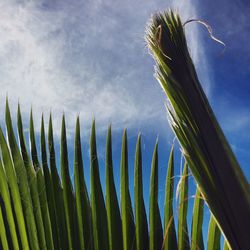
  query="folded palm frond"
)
[{"x": 204, "y": 145}]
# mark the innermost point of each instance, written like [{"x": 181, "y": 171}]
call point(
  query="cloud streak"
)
[{"x": 86, "y": 58}]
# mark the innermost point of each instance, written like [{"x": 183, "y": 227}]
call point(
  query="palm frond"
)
[
  {"x": 204, "y": 145},
  {"x": 155, "y": 225},
  {"x": 41, "y": 210},
  {"x": 128, "y": 227},
  {"x": 113, "y": 210},
  {"x": 63, "y": 215}
]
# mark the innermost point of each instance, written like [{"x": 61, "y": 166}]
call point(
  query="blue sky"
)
[{"x": 89, "y": 58}]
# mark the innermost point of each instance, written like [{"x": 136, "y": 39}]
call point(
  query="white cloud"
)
[
  {"x": 84, "y": 58},
  {"x": 234, "y": 119},
  {"x": 188, "y": 11}
]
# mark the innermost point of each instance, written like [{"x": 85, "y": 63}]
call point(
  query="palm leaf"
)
[
  {"x": 226, "y": 245},
  {"x": 3, "y": 236},
  {"x": 15, "y": 194},
  {"x": 83, "y": 209},
  {"x": 49, "y": 188},
  {"x": 128, "y": 227},
  {"x": 5, "y": 196},
  {"x": 214, "y": 235},
  {"x": 170, "y": 239},
  {"x": 99, "y": 215},
  {"x": 113, "y": 211},
  {"x": 57, "y": 192},
  {"x": 24, "y": 179},
  {"x": 183, "y": 238},
  {"x": 68, "y": 198},
  {"x": 34, "y": 155},
  {"x": 155, "y": 226},
  {"x": 205, "y": 147},
  {"x": 41, "y": 187},
  {"x": 197, "y": 221},
  {"x": 33, "y": 183},
  {"x": 141, "y": 225}
]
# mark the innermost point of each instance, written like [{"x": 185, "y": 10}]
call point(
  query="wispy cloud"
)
[
  {"x": 188, "y": 10},
  {"x": 234, "y": 119},
  {"x": 84, "y": 57}
]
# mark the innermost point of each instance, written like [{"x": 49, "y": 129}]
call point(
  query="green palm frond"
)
[
  {"x": 197, "y": 222},
  {"x": 63, "y": 215},
  {"x": 183, "y": 237},
  {"x": 83, "y": 209},
  {"x": 40, "y": 209},
  {"x": 141, "y": 224},
  {"x": 204, "y": 145},
  {"x": 170, "y": 238},
  {"x": 24, "y": 178},
  {"x": 113, "y": 210},
  {"x": 214, "y": 235},
  {"x": 128, "y": 227},
  {"x": 99, "y": 215},
  {"x": 155, "y": 225}
]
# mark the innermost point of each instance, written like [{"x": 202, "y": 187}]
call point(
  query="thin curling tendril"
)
[{"x": 209, "y": 29}]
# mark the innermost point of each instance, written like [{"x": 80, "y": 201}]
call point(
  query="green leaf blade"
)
[
  {"x": 155, "y": 226},
  {"x": 33, "y": 183},
  {"x": 44, "y": 209},
  {"x": 23, "y": 186},
  {"x": 128, "y": 227},
  {"x": 49, "y": 188},
  {"x": 14, "y": 189},
  {"x": 67, "y": 187},
  {"x": 197, "y": 221},
  {"x": 183, "y": 238},
  {"x": 99, "y": 215},
  {"x": 226, "y": 245},
  {"x": 34, "y": 154},
  {"x": 141, "y": 225},
  {"x": 57, "y": 192},
  {"x": 214, "y": 235},
  {"x": 3, "y": 237},
  {"x": 5, "y": 195},
  {"x": 170, "y": 239},
  {"x": 82, "y": 200},
  {"x": 41, "y": 189},
  {"x": 113, "y": 211}
]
